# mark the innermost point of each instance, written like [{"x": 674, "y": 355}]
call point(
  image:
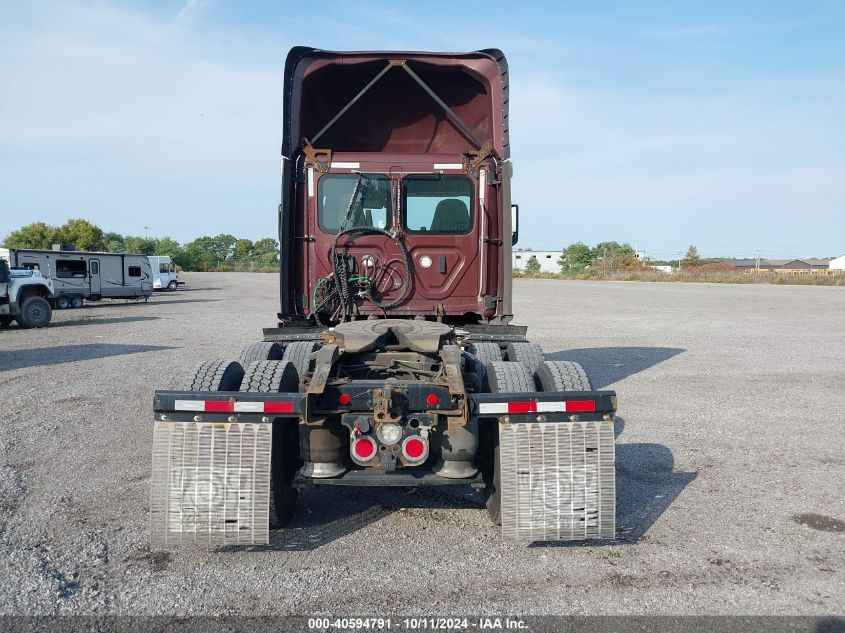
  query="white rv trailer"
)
[
  {"x": 78, "y": 275},
  {"x": 165, "y": 276}
]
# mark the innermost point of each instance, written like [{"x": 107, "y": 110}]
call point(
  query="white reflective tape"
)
[
  {"x": 482, "y": 185},
  {"x": 448, "y": 166},
  {"x": 310, "y": 182},
  {"x": 249, "y": 407},
  {"x": 346, "y": 165},
  {"x": 551, "y": 407},
  {"x": 189, "y": 405},
  {"x": 493, "y": 407}
]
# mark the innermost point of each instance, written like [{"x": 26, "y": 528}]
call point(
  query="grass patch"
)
[{"x": 697, "y": 277}]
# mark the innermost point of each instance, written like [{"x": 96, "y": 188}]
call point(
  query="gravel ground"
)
[{"x": 730, "y": 467}]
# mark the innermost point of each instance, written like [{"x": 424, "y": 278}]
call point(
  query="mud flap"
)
[
  {"x": 558, "y": 481},
  {"x": 210, "y": 483}
]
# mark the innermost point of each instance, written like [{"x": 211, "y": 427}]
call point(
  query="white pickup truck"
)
[{"x": 23, "y": 297}]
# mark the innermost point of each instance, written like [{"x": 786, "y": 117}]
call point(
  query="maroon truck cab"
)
[{"x": 396, "y": 187}]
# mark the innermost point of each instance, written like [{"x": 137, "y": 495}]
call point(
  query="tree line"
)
[
  {"x": 609, "y": 258},
  {"x": 204, "y": 253}
]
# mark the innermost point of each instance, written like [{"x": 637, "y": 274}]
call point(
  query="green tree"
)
[
  {"x": 576, "y": 258},
  {"x": 265, "y": 252},
  {"x": 84, "y": 235},
  {"x": 610, "y": 257},
  {"x": 197, "y": 255},
  {"x": 166, "y": 246},
  {"x": 113, "y": 242},
  {"x": 692, "y": 258},
  {"x": 222, "y": 246},
  {"x": 142, "y": 245},
  {"x": 613, "y": 249},
  {"x": 532, "y": 265},
  {"x": 243, "y": 250},
  {"x": 35, "y": 235}
]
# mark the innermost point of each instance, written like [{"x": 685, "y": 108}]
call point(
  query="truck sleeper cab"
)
[{"x": 393, "y": 361}]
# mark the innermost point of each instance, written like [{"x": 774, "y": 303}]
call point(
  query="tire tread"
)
[
  {"x": 529, "y": 354},
  {"x": 215, "y": 375},
  {"x": 485, "y": 352},
  {"x": 562, "y": 375}
]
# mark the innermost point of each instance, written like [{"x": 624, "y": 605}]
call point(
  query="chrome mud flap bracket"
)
[{"x": 210, "y": 483}]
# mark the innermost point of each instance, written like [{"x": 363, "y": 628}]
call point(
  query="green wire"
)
[{"x": 322, "y": 281}]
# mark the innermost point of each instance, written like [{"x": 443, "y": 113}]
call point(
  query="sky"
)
[{"x": 662, "y": 124}]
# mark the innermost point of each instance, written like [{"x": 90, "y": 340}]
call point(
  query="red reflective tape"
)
[
  {"x": 219, "y": 406},
  {"x": 580, "y": 406},
  {"x": 278, "y": 407},
  {"x": 522, "y": 407}
]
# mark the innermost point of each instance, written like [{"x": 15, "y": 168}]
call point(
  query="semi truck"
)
[
  {"x": 80, "y": 276},
  {"x": 394, "y": 359}
]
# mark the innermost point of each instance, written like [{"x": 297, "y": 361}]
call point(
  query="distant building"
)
[
  {"x": 547, "y": 259},
  {"x": 837, "y": 263},
  {"x": 809, "y": 264}
]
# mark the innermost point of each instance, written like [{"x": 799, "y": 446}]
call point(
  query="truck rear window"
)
[
  {"x": 438, "y": 204},
  {"x": 353, "y": 200}
]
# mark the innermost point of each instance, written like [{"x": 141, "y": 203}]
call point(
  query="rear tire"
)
[
  {"x": 77, "y": 302},
  {"x": 485, "y": 352},
  {"x": 529, "y": 354},
  {"x": 562, "y": 375},
  {"x": 215, "y": 375},
  {"x": 263, "y": 350},
  {"x": 502, "y": 377},
  {"x": 278, "y": 376},
  {"x": 284, "y": 462},
  {"x": 35, "y": 312},
  {"x": 299, "y": 353},
  {"x": 62, "y": 303},
  {"x": 266, "y": 376},
  {"x": 509, "y": 377}
]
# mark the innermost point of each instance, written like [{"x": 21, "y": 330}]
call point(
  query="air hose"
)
[{"x": 341, "y": 279}]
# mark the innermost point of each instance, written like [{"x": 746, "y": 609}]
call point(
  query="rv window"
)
[
  {"x": 134, "y": 271},
  {"x": 66, "y": 268},
  {"x": 371, "y": 206},
  {"x": 165, "y": 268},
  {"x": 30, "y": 266},
  {"x": 95, "y": 268},
  {"x": 438, "y": 205}
]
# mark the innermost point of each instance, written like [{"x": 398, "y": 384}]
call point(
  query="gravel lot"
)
[{"x": 730, "y": 467}]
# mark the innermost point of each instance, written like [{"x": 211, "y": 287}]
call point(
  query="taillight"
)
[
  {"x": 344, "y": 399},
  {"x": 363, "y": 449},
  {"x": 415, "y": 449},
  {"x": 432, "y": 399}
]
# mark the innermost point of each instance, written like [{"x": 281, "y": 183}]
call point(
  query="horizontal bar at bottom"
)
[{"x": 416, "y": 477}]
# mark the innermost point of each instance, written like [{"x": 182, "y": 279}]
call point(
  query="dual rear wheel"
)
[
  {"x": 262, "y": 376},
  {"x": 516, "y": 377}
]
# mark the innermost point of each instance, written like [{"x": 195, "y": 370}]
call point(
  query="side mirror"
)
[{"x": 514, "y": 224}]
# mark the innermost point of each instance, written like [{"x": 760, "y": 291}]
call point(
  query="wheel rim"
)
[{"x": 36, "y": 312}]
